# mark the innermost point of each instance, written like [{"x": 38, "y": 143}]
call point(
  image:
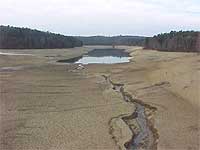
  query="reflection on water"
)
[
  {"x": 14, "y": 54},
  {"x": 101, "y": 56},
  {"x": 103, "y": 60}
]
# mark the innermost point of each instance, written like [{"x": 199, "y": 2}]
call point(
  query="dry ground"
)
[{"x": 56, "y": 107}]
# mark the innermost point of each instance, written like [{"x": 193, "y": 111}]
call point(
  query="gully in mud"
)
[{"x": 144, "y": 136}]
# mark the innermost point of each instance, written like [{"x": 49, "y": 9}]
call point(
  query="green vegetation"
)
[
  {"x": 186, "y": 41},
  {"x": 113, "y": 40},
  {"x": 24, "y": 38}
]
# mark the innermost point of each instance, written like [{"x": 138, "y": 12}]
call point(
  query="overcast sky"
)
[{"x": 102, "y": 17}]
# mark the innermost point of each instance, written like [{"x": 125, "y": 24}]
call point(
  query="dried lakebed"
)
[
  {"x": 140, "y": 122},
  {"x": 101, "y": 56}
]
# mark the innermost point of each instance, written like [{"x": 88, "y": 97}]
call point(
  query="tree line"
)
[
  {"x": 113, "y": 40},
  {"x": 185, "y": 41},
  {"x": 25, "y": 38}
]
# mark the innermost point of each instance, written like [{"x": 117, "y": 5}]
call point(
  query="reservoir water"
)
[
  {"x": 101, "y": 56},
  {"x": 103, "y": 60}
]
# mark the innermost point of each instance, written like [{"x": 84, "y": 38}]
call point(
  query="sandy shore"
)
[{"x": 57, "y": 107}]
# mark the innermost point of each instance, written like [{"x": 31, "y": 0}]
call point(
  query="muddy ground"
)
[{"x": 47, "y": 105}]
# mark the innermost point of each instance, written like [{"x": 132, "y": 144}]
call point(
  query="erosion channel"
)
[{"x": 144, "y": 134}]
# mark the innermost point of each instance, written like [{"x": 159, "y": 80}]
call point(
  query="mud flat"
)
[{"x": 152, "y": 102}]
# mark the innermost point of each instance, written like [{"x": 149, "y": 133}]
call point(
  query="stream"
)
[{"x": 146, "y": 137}]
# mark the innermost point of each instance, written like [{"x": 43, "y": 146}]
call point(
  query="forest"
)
[
  {"x": 113, "y": 40},
  {"x": 184, "y": 41},
  {"x": 25, "y": 38}
]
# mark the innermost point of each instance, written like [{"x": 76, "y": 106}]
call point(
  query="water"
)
[
  {"x": 103, "y": 60},
  {"x": 145, "y": 131},
  {"x": 11, "y": 68},
  {"x": 101, "y": 56},
  {"x": 14, "y": 54},
  {"x": 144, "y": 139}
]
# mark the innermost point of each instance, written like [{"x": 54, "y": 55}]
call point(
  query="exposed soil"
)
[{"x": 55, "y": 106}]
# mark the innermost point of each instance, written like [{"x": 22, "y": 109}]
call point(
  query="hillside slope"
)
[
  {"x": 24, "y": 38},
  {"x": 113, "y": 40},
  {"x": 185, "y": 41}
]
